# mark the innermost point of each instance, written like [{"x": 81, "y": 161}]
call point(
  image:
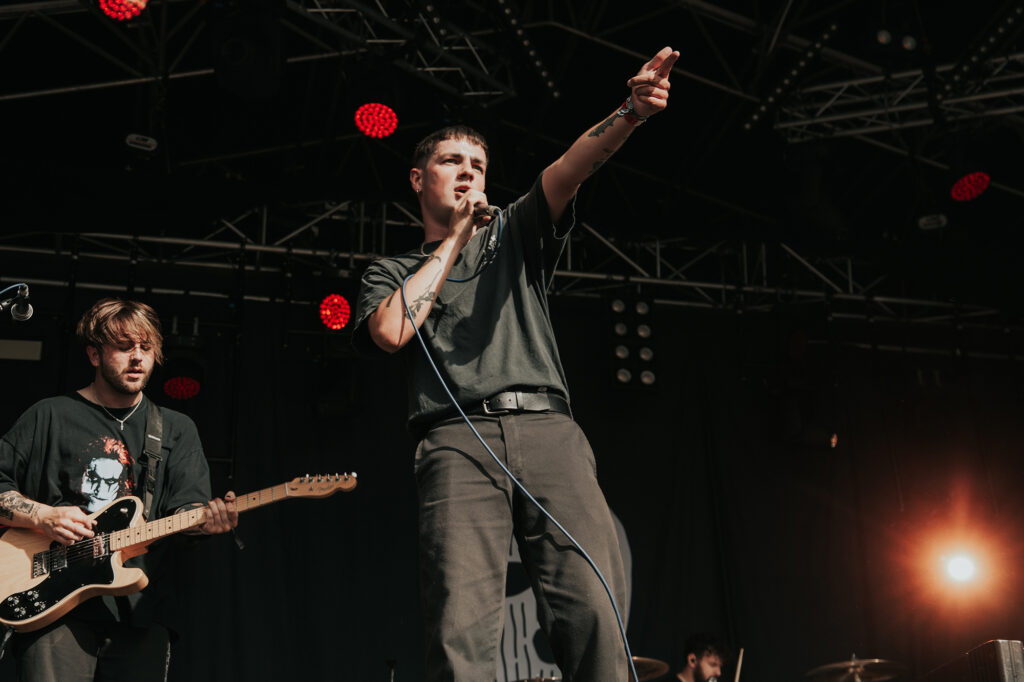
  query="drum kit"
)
[
  {"x": 854, "y": 670},
  {"x": 857, "y": 670}
]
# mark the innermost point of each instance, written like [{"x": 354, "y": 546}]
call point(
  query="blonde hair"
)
[{"x": 111, "y": 320}]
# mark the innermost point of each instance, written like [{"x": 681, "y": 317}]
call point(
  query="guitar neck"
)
[{"x": 145, "y": 533}]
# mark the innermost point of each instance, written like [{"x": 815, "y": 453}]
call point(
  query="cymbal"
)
[
  {"x": 857, "y": 670},
  {"x": 649, "y": 668}
]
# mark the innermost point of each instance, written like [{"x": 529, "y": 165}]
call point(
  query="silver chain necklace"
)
[{"x": 126, "y": 417}]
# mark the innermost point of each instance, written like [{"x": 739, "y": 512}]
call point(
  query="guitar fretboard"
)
[{"x": 154, "y": 530}]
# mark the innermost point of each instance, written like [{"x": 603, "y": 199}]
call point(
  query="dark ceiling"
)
[{"x": 251, "y": 106}]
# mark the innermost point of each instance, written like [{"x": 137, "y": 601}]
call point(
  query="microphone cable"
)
[{"x": 511, "y": 477}]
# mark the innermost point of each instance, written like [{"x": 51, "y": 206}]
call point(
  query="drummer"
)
[{"x": 705, "y": 656}]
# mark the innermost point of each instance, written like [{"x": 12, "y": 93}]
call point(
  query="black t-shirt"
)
[
  {"x": 489, "y": 334},
  {"x": 67, "y": 451}
]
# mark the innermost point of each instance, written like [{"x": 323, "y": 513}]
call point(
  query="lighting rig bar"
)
[
  {"x": 878, "y": 104},
  {"x": 162, "y": 44},
  {"x": 730, "y": 275}
]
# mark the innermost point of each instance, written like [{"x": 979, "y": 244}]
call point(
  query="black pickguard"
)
[{"x": 82, "y": 568}]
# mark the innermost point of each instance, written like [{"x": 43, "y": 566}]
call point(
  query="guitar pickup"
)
[{"x": 44, "y": 563}]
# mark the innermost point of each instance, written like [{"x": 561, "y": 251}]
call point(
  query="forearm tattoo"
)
[
  {"x": 601, "y": 127},
  {"x": 13, "y": 501},
  {"x": 427, "y": 296},
  {"x": 600, "y": 162}
]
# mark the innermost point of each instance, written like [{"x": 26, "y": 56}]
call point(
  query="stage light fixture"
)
[
  {"x": 376, "y": 120},
  {"x": 182, "y": 387},
  {"x": 970, "y": 186},
  {"x": 182, "y": 373},
  {"x": 122, "y": 10},
  {"x": 631, "y": 351},
  {"x": 960, "y": 568},
  {"x": 335, "y": 311}
]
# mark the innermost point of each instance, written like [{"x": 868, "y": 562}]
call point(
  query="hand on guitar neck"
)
[
  {"x": 68, "y": 525},
  {"x": 221, "y": 515}
]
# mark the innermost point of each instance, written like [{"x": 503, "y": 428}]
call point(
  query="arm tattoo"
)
[
  {"x": 601, "y": 127},
  {"x": 600, "y": 162},
  {"x": 13, "y": 501},
  {"x": 427, "y": 296}
]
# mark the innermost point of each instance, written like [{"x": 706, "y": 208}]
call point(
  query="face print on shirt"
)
[{"x": 107, "y": 473}]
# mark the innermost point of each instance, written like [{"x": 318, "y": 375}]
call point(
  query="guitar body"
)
[{"x": 41, "y": 580}]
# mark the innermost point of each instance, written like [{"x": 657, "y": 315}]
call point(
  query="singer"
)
[{"x": 476, "y": 291}]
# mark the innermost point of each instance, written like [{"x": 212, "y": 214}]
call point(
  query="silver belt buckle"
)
[{"x": 488, "y": 410}]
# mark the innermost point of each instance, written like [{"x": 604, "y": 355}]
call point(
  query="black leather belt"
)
[{"x": 525, "y": 401}]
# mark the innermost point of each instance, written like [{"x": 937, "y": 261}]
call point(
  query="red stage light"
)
[
  {"x": 122, "y": 10},
  {"x": 181, "y": 388},
  {"x": 970, "y": 186},
  {"x": 376, "y": 120},
  {"x": 335, "y": 311}
]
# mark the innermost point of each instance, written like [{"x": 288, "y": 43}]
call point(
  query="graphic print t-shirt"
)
[
  {"x": 69, "y": 451},
  {"x": 87, "y": 459}
]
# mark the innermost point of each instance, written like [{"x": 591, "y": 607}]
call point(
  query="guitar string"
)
[{"x": 84, "y": 548}]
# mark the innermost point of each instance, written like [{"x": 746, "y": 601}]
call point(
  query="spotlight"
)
[
  {"x": 182, "y": 373},
  {"x": 960, "y": 568},
  {"x": 970, "y": 186},
  {"x": 883, "y": 37},
  {"x": 182, "y": 387},
  {"x": 376, "y": 120},
  {"x": 335, "y": 311},
  {"x": 122, "y": 10}
]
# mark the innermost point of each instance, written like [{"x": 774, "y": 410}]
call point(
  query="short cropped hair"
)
[
  {"x": 703, "y": 644},
  {"x": 111, "y": 320},
  {"x": 428, "y": 145}
]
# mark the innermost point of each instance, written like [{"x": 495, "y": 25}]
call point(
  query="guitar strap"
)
[{"x": 151, "y": 455}]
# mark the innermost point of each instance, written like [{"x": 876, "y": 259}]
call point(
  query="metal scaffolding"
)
[{"x": 730, "y": 275}]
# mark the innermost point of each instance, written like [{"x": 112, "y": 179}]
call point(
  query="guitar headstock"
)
[{"x": 320, "y": 485}]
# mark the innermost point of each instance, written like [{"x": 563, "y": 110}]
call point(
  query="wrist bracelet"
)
[{"x": 627, "y": 112}]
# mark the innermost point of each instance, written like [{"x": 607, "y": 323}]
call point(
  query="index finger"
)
[
  {"x": 657, "y": 60},
  {"x": 666, "y": 66}
]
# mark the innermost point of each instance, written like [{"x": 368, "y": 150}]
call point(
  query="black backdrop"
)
[{"x": 741, "y": 519}]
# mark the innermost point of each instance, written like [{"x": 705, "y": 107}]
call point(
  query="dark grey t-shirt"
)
[{"x": 489, "y": 334}]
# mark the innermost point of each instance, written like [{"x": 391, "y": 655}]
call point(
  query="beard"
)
[{"x": 118, "y": 382}]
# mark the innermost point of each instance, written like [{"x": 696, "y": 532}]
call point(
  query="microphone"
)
[
  {"x": 485, "y": 211},
  {"x": 22, "y": 309}
]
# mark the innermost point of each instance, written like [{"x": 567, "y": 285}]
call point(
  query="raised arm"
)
[{"x": 648, "y": 95}]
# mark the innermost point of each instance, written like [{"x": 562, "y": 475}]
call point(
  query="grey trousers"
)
[
  {"x": 73, "y": 650},
  {"x": 468, "y": 514}
]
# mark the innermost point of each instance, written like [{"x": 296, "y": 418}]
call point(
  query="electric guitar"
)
[{"x": 41, "y": 580}]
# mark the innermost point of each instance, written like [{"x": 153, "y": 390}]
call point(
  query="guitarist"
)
[{"x": 73, "y": 454}]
